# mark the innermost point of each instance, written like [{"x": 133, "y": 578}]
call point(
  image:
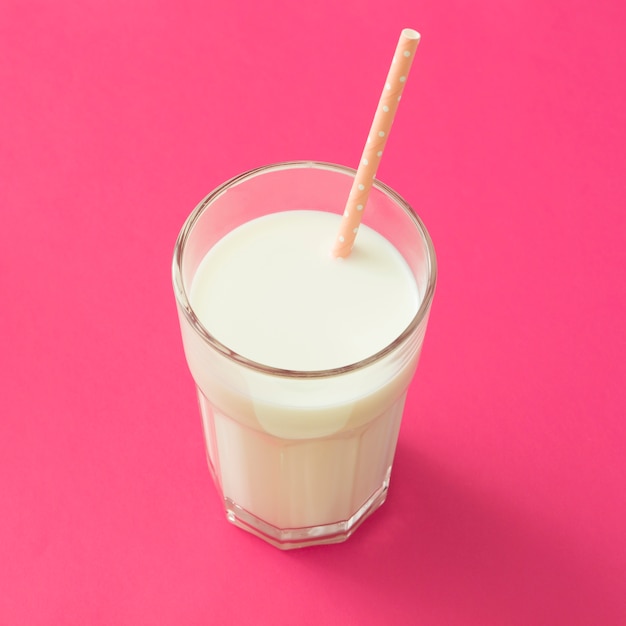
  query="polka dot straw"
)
[{"x": 373, "y": 151}]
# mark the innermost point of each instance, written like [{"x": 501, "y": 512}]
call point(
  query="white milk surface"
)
[{"x": 271, "y": 292}]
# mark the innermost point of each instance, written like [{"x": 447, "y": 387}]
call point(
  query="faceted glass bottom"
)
[{"x": 289, "y": 538}]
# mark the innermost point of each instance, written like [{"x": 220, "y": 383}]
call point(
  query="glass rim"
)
[{"x": 185, "y": 306}]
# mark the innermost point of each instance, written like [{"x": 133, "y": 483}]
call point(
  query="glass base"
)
[{"x": 290, "y": 538}]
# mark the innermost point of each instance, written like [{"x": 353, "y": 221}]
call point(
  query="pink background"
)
[{"x": 508, "y": 500}]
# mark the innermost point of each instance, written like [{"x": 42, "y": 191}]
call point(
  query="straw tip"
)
[{"x": 409, "y": 33}]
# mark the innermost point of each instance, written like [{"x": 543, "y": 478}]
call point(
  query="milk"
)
[
  {"x": 298, "y": 455},
  {"x": 271, "y": 292}
]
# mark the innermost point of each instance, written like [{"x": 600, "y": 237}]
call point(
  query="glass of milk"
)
[{"x": 301, "y": 361}]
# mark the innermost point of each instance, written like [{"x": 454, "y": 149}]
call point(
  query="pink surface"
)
[{"x": 507, "y": 503}]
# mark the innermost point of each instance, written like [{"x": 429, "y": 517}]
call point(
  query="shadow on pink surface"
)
[{"x": 469, "y": 557}]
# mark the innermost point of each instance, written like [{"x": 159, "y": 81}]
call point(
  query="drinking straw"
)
[{"x": 376, "y": 140}]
